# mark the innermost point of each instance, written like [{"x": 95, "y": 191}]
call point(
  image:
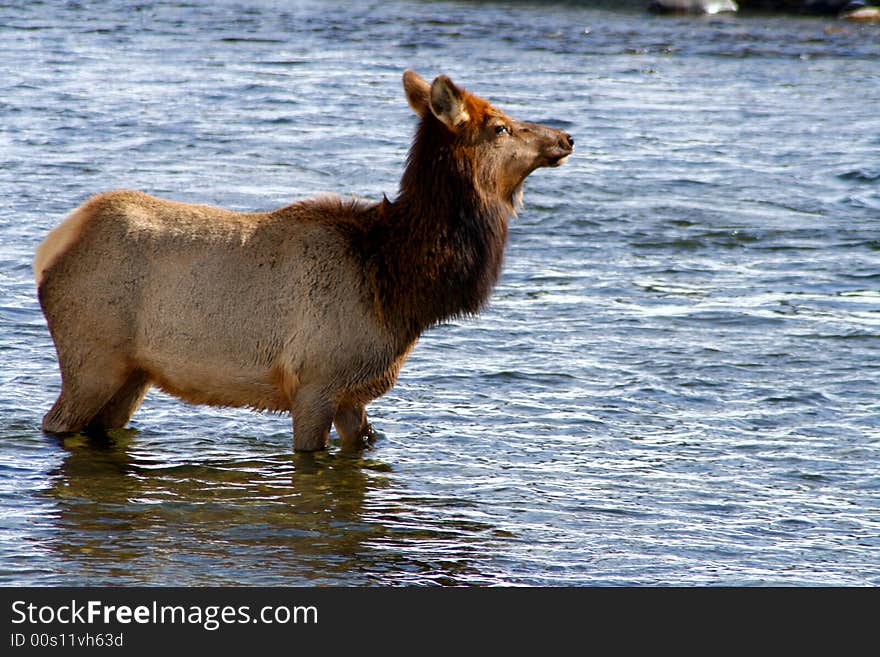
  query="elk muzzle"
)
[
  {"x": 560, "y": 148},
  {"x": 550, "y": 146}
]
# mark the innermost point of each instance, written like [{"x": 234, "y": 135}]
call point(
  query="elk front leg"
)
[
  {"x": 352, "y": 426},
  {"x": 312, "y": 416}
]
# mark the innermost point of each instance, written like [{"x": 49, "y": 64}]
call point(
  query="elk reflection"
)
[
  {"x": 128, "y": 514},
  {"x": 129, "y": 519}
]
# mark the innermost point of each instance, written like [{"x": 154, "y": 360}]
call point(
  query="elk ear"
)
[
  {"x": 447, "y": 102},
  {"x": 418, "y": 92}
]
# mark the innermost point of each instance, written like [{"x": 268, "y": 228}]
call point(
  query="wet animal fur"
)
[{"x": 311, "y": 308}]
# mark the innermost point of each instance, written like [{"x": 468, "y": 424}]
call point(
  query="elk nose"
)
[{"x": 566, "y": 141}]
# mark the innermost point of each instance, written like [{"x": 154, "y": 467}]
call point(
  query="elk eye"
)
[{"x": 502, "y": 129}]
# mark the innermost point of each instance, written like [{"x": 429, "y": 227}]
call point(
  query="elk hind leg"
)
[
  {"x": 84, "y": 393},
  {"x": 116, "y": 413}
]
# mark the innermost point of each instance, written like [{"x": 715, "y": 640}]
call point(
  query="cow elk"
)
[{"x": 311, "y": 308}]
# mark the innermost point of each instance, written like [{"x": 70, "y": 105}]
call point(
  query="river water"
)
[{"x": 676, "y": 381}]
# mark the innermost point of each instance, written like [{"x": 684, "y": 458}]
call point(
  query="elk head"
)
[{"x": 498, "y": 151}]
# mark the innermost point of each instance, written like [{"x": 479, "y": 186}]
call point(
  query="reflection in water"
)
[{"x": 274, "y": 518}]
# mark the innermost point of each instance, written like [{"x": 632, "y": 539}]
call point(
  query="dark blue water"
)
[{"x": 676, "y": 381}]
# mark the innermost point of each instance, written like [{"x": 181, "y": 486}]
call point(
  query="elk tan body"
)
[{"x": 311, "y": 308}]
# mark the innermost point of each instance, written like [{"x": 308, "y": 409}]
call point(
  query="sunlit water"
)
[{"x": 676, "y": 379}]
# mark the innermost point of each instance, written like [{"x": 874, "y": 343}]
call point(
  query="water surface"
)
[{"x": 675, "y": 381}]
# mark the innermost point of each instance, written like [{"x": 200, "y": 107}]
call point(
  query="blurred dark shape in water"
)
[
  {"x": 692, "y": 6},
  {"x": 848, "y": 9},
  {"x": 861, "y": 14},
  {"x": 828, "y": 7}
]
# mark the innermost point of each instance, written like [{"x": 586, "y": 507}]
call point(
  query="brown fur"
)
[{"x": 312, "y": 308}]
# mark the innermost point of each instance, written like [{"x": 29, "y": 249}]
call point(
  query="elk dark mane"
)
[{"x": 439, "y": 246}]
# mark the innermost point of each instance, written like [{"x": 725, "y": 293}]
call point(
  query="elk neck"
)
[{"x": 438, "y": 247}]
